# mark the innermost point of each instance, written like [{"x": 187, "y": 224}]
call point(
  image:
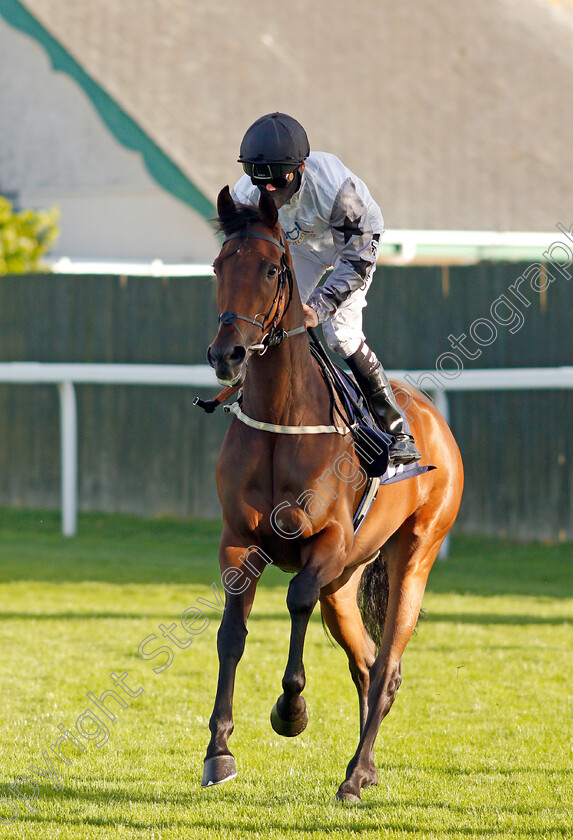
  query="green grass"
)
[{"x": 478, "y": 743}]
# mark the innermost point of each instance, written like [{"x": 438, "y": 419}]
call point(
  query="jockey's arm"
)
[{"x": 356, "y": 245}]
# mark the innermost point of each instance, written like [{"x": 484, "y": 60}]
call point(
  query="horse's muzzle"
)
[{"x": 227, "y": 362}]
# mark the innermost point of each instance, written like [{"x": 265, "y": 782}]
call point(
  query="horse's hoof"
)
[
  {"x": 289, "y": 728},
  {"x": 346, "y": 797},
  {"x": 220, "y": 768}
]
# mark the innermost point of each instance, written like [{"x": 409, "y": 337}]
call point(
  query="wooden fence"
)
[{"x": 147, "y": 450}]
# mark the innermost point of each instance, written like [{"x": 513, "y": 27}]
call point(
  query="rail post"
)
[{"x": 68, "y": 457}]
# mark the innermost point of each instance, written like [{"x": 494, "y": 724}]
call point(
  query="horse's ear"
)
[
  {"x": 225, "y": 204},
  {"x": 269, "y": 212}
]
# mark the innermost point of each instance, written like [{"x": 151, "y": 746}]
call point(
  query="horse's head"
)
[{"x": 254, "y": 284}]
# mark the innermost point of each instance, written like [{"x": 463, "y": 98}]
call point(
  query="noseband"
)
[{"x": 274, "y": 336}]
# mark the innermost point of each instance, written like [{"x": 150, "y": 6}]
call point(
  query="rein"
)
[{"x": 274, "y": 335}]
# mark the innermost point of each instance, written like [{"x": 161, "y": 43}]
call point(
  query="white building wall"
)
[{"x": 56, "y": 151}]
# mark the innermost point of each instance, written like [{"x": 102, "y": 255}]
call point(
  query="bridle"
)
[{"x": 273, "y": 334}]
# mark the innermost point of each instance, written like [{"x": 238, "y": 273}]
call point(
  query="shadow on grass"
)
[
  {"x": 243, "y": 813},
  {"x": 283, "y": 616},
  {"x": 88, "y": 616},
  {"x": 493, "y": 618}
]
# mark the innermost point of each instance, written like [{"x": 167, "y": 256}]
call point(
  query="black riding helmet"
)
[{"x": 273, "y": 147}]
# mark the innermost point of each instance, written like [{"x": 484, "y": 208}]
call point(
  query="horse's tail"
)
[{"x": 372, "y": 597}]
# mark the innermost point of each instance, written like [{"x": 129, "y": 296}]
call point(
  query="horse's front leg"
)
[
  {"x": 239, "y": 581},
  {"x": 289, "y": 716}
]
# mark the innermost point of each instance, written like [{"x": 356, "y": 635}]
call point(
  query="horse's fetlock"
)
[
  {"x": 294, "y": 684},
  {"x": 221, "y": 730}
]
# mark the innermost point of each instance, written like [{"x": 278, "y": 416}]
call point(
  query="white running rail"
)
[{"x": 66, "y": 376}]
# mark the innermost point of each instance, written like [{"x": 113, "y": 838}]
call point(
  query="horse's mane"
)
[{"x": 238, "y": 222}]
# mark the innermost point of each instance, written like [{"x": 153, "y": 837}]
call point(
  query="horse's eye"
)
[{"x": 272, "y": 271}]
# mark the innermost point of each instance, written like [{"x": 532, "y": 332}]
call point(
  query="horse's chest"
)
[
  {"x": 263, "y": 465},
  {"x": 280, "y": 489}
]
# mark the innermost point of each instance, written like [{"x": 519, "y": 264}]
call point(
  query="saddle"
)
[{"x": 371, "y": 442}]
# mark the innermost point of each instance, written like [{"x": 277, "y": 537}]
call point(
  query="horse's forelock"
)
[{"x": 238, "y": 222}]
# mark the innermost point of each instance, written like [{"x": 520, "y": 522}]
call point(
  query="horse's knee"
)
[{"x": 302, "y": 595}]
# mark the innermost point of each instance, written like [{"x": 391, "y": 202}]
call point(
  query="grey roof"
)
[{"x": 457, "y": 114}]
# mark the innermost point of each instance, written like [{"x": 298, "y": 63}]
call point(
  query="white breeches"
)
[{"x": 343, "y": 331}]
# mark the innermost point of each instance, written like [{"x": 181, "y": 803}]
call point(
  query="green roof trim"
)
[{"x": 161, "y": 168}]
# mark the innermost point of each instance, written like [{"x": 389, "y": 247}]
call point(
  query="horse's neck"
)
[{"x": 282, "y": 385}]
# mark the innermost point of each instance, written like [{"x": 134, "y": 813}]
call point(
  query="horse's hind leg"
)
[
  {"x": 410, "y": 558},
  {"x": 342, "y": 616}
]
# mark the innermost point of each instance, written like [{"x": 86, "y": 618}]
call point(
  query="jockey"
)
[{"x": 329, "y": 219}]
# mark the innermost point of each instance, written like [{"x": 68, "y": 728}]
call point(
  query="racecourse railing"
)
[
  {"x": 397, "y": 247},
  {"x": 66, "y": 376}
]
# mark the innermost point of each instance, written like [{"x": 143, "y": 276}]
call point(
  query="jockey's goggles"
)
[{"x": 279, "y": 175}]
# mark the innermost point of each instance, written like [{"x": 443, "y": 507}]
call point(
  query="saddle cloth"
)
[{"x": 371, "y": 442}]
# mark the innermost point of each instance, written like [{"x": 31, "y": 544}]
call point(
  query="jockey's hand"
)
[{"x": 310, "y": 316}]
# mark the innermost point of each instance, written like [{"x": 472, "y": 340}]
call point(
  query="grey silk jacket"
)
[{"x": 334, "y": 220}]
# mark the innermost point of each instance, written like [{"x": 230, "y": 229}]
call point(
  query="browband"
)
[{"x": 250, "y": 235}]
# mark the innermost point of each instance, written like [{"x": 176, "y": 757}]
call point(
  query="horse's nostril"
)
[
  {"x": 237, "y": 355},
  {"x": 219, "y": 357}
]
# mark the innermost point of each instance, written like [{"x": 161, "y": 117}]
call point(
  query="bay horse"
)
[{"x": 270, "y": 462}]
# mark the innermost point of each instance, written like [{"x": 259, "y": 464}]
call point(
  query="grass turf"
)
[{"x": 478, "y": 743}]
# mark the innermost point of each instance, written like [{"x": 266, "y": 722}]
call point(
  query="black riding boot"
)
[{"x": 374, "y": 383}]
